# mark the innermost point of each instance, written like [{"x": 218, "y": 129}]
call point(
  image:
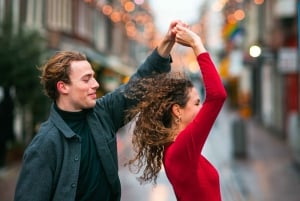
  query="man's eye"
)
[{"x": 86, "y": 80}]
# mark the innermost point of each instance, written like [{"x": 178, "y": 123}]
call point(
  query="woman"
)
[{"x": 172, "y": 126}]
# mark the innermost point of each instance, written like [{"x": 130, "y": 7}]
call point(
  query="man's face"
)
[{"x": 81, "y": 92}]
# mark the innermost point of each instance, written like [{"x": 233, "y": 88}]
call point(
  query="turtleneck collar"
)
[{"x": 66, "y": 115}]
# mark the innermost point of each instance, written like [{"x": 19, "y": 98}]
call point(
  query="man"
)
[{"x": 74, "y": 154}]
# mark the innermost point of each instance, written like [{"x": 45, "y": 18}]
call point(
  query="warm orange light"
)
[
  {"x": 258, "y": 2},
  {"x": 131, "y": 33},
  {"x": 239, "y": 14},
  {"x": 126, "y": 17},
  {"x": 129, "y": 25},
  {"x": 130, "y": 29},
  {"x": 231, "y": 19},
  {"x": 129, "y": 6},
  {"x": 116, "y": 16},
  {"x": 88, "y": 1},
  {"x": 107, "y": 9}
]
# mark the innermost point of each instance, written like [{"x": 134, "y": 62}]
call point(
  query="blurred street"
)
[
  {"x": 254, "y": 43},
  {"x": 267, "y": 173}
]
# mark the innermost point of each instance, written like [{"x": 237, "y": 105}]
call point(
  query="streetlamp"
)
[{"x": 255, "y": 51}]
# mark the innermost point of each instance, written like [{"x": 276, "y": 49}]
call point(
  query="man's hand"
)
[
  {"x": 171, "y": 34},
  {"x": 165, "y": 47}
]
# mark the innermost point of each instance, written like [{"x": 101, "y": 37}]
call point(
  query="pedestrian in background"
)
[
  {"x": 74, "y": 154},
  {"x": 6, "y": 124},
  {"x": 172, "y": 125}
]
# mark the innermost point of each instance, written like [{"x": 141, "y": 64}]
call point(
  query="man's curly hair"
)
[
  {"x": 57, "y": 68},
  {"x": 153, "y": 114}
]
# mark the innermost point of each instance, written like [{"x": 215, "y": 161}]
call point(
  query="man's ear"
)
[
  {"x": 176, "y": 110},
  {"x": 62, "y": 87}
]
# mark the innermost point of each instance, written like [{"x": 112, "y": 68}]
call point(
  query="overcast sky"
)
[{"x": 167, "y": 10}]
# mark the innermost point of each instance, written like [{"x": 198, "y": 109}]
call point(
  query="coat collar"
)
[{"x": 60, "y": 123}]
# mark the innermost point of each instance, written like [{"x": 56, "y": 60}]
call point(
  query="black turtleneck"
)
[{"x": 92, "y": 180}]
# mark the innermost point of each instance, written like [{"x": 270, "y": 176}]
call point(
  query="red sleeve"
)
[{"x": 191, "y": 140}]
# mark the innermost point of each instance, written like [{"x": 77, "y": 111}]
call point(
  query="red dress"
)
[{"x": 192, "y": 176}]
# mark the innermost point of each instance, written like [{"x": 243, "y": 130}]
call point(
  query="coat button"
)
[
  {"x": 73, "y": 185},
  {"x": 76, "y": 158}
]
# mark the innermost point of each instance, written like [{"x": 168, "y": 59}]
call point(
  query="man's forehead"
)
[{"x": 81, "y": 68}]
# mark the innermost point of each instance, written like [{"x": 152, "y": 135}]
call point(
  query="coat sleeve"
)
[
  {"x": 153, "y": 64},
  {"x": 115, "y": 103}
]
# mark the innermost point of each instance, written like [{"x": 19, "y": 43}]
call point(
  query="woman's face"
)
[{"x": 192, "y": 107}]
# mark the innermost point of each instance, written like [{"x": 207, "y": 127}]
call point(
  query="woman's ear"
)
[
  {"x": 176, "y": 110},
  {"x": 61, "y": 87}
]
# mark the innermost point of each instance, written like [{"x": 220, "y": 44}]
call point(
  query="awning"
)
[{"x": 115, "y": 64}]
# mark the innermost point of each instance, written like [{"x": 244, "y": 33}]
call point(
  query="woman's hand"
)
[
  {"x": 171, "y": 34},
  {"x": 186, "y": 37}
]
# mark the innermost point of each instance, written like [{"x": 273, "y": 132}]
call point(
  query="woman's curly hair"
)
[{"x": 153, "y": 114}]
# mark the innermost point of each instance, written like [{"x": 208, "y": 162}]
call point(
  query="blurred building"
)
[
  {"x": 262, "y": 69},
  {"x": 115, "y": 35}
]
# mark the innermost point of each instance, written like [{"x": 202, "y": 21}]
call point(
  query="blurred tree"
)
[{"x": 21, "y": 52}]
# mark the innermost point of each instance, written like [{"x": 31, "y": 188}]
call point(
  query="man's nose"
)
[{"x": 95, "y": 84}]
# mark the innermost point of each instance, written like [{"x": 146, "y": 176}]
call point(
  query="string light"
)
[
  {"x": 136, "y": 18},
  {"x": 107, "y": 10},
  {"x": 239, "y": 14},
  {"x": 135, "y": 15},
  {"x": 129, "y": 6},
  {"x": 259, "y": 2}
]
